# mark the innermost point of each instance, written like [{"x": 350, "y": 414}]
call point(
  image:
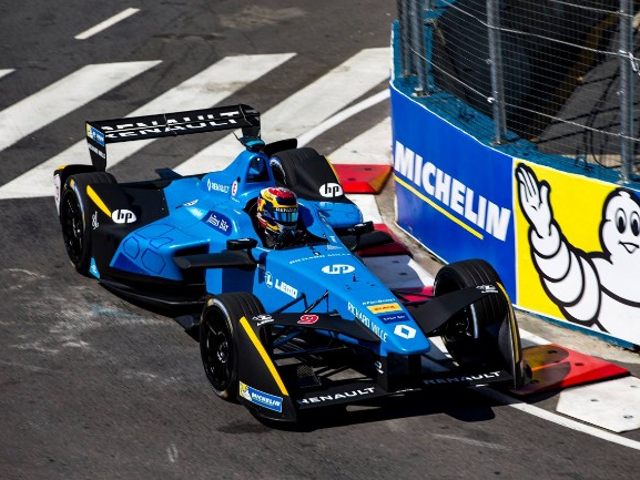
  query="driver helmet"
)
[{"x": 277, "y": 211}]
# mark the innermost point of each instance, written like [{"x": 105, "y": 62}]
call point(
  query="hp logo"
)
[
  {"x": 337, "y": 269},
  {"x": 123, "y": 216},
  {"x": 331, "y": 190}
]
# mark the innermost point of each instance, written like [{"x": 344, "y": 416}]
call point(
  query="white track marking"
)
[
  {"x": 368, "y": 206},
  {"x": 303, "y": 110},
  {"x": 614, "y": 405},
  {"x": 342, "y": 116},
  {"x": 371, "y": 147},
  {"x": 64, "y": 96},
  {"x": 557, "y": 419},
  {"x": 5, "y": 72},
  {"x": 109, "y": 22},
  {"x": 203, "y": 90}
]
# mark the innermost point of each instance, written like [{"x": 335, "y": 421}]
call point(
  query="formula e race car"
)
[{"x": 282, "y": 327}]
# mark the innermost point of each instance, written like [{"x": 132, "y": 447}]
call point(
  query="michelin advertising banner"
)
[
  {"x": 578, "y": 250},
  {"x": 566, "y": 246},
  {"x": 454, "y": 194}
]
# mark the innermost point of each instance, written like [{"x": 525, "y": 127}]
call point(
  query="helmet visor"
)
[{"x": 286, "y": 216}]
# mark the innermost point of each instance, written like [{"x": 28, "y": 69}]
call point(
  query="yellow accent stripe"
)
[
  {"x": 98, "y": 201},
  {"x": 512, "y": 320},
  {"x": 439, "y": 208},
  {"x": 265, "y": 356}
]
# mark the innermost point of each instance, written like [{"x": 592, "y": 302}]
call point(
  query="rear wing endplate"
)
[{"x": 101, "y": 132}]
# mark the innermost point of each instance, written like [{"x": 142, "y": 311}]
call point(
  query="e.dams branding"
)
[
  {"x": 440, "y": 187},
  {"x": 261, "y": 398}
]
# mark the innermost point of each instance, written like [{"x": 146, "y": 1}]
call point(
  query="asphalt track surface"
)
[{"x": 94, "y": 387}]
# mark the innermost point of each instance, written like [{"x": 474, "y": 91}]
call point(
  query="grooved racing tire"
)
[
  {"x": 473, "y": 335},
  {"x": 218, "y": 333},
  {"x": 75, "y": 219}
]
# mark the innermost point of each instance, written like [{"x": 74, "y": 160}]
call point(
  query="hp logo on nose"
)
[
  {"x": 331, "y": 190},
  {"x": 337, "y": 269},
  {"x": 123, "y": 216}
]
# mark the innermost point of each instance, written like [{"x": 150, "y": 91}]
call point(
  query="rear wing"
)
[{"x": 101, "y": 132}]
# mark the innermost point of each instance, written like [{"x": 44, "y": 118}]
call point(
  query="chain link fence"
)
[{"x": 559, "y": 73}]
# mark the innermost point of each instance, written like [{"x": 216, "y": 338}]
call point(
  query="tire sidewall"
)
[
  {"x": 216, "y": 309},
  {"x": 74, "y": 188}
]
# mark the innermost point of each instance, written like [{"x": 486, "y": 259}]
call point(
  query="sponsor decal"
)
[
  {"x": 367, "y": 322},
  {"x": 385, "y": 308},
  {"x": 93, "y": 269},
  {"x": 393, "y": 318},
  {"x": 405, "y": 331},
  {"x": 97, "y": 151},
  {"x": 94, "y": 220},
  {"x": 379, "y": 301},
  {"x": 218, "y": 222},
  {"x": 286, "y": 288},
  {"x": 95, "y": 135},
  {"x": 123, "y": 215},
  {"x": 331, "y": 190},
  {"x": 451, "y": 192},
  {"x": 216, "y": 187},
  {"x": 261, "y": 398},
  {"x": 338, "y": 269},
  {"x": 308, "y": 319},
  {"x": 215, "y": 120},
  {"x": 487, "y": 288},
  {"x": 471, "y": 378},
  {"x": 378, "y": 366},
  {"x": 263, "y": 319},
  {"x": 191, "y": 203},
  {"x": 338, "y": 396},
  {"x": 234, "y": 188},
  {"x": 56, "y": 192}
]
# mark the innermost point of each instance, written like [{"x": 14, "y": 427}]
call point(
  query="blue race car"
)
[{"x": 260, "y": 261}]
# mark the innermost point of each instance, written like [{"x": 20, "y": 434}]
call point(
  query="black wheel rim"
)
[
  {"x": 217, "y": 353},
  {"x": 72, "y": 227}
]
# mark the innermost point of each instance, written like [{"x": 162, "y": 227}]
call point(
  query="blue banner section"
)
[{"x": 454, "y": 193}]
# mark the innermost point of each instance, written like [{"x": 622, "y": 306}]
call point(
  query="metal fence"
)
[{"x": 559, "y": 73}]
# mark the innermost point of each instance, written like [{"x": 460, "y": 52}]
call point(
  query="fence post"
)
[
  {"x": 626, "y": 90},
  {"x": 495, "y": 61},
  {"x": 419, "y": 45},
  {"x": 405, "y": 37}
]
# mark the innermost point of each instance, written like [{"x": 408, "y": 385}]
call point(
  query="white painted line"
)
[
  {"x": 613, "y": 405},
  {"x": 203, "y": 90},
  {"x": 109, "y": 22},
  {"x": 64, "y": 96},
  {"x": 531, "y": 340},
  {"x": 342, "y": 116},
  {"x": 370, "y": 147},
  {"x": 6, "y": 72},
  {"x": 368, "y": 206},
  {"x": 303, "y": 110},
  {"x": 558, "y": 420}
]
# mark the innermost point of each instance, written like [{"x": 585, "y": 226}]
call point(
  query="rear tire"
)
[
  {"x": 218, "y": 344},
  {"x": 74, "y": 217},
  {"x": 472, "y": 336}
]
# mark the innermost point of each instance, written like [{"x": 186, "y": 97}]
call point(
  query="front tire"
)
[
  {"x": 472, "y": 336},
  {"x": 218, "y": 344}
]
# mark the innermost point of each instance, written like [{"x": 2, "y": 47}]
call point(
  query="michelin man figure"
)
[{"x": 597, "y": 289}]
